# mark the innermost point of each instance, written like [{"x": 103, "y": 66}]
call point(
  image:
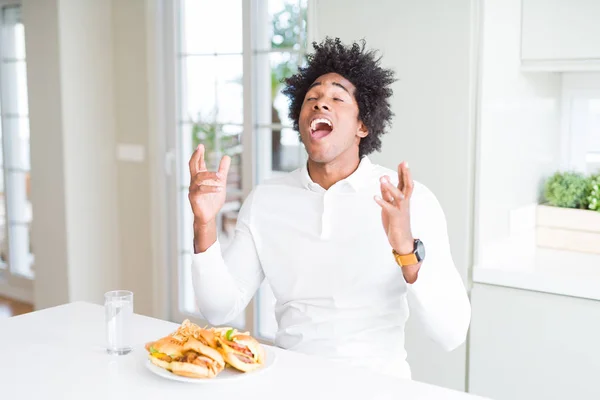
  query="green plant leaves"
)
[
  {"x": 593, "y": 198},
  {"x": 573, "y": 190}
]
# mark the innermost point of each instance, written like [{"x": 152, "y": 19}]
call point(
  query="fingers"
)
[
  {"x": 386, "y": 195},
  {"x": 210, "y": 189},
  {"x": 400, "y": 178},
  {"x": 224, "y": 166},
  {"x": 384, "y": 204},
  {"x": 197, "y": 163},
  {"x": 389, "y": 192},
  {"x": 405, "y": 177},
  {"x": 208, "y": 182}
]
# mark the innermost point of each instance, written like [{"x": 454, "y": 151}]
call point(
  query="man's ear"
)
[{"x": 362, "y": 130}]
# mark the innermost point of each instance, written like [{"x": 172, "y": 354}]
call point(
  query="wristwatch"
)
[{"x": 415, "y": 257}]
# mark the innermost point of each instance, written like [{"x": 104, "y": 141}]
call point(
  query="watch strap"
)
[{"x": 405, "y": 259}]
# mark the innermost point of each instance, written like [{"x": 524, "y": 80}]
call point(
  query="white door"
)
[
  {"x": 227, "y": 60},
  {"x": 16, "y": 253}
]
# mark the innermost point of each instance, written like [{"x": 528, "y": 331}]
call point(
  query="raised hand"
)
[
  {"x": 395, "y": 209},
  {"x": 207, "y": 189}
]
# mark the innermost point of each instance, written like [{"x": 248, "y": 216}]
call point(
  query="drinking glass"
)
[{"x": 118, "y": 307}]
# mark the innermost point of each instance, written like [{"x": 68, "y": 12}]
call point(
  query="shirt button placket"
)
[{"x": 326, "y": 217}]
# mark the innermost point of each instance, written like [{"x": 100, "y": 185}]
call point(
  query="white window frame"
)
[
  {"x": 575, "y": 86},
  {"x": 252, "y": 173},
  {"x": 12, "y": 285}
]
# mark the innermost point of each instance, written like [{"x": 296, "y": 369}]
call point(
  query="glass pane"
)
[
  {"x": 13, "y": 33},
  {"x": 19, "y": 49},
  {"x": 1, "y": 145},
  {"x": 212, "y": 26},
  {"x": 21, "y": 257},
  {"x": 3, "y": 227},
  {"x": 186, "y": 244},
  {"x": 218, "y": 140},
  {"x": 592, "y": 127},
  {"x": 11, "y": 15},
  {"x": 283, "y": 146},
  {"x": 213, "y": 89},
  {"x": 19, "y": 217},
  {"x": 14, "y": 76},
  {"x": 14, "y": 79},
  {"x": 271, "y": 69},
  {"x": 282, "y": 25},
  {"x": 14, "y": 198},
  {"x": 18, "y": 197},
  {"x": 186, "y": 150},
  {"x": 17, "y": 143},
  {"x": 234, "y": 178},
  {"x": 593, "y": 132}
]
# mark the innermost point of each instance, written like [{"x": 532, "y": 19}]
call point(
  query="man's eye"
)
[
  {"x": 337, "y": 99},
  {"x": 311, "y": 98}
]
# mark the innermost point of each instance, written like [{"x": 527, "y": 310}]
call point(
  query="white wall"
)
[
  {"x": 89, "y": 141},
  {"x": 70, "y": 71},
  {"x": 519, "y": 136},
  {"x": 49, "y": 229},
  {"x": 131, "y": 82},
  {"x": 529, "y": 345},
  {"x": 428, "y": 43},
  {"x": 94, "y": 215}
]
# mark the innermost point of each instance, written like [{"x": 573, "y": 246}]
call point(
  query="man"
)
[{"x": 341, "y": 241}]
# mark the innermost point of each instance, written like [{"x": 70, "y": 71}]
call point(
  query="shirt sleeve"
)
[
  {"x": 224, "y": 282},
  {"x": 438, "y": 297}
]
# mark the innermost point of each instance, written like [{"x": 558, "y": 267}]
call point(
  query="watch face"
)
[{"x": 419, "y": 250}]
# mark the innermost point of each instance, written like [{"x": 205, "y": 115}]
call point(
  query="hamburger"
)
[
  {"x": 190, "y": 358},
  {"x": 198, "y": 361},
  {"x": 240, "y": 350},
  {"x": 206, "y": 337},
  {"x": 189, "y": 329},
  {"x": 164, "y": 351}
]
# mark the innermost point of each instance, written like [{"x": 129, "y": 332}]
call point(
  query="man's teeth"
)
[{"x": 313, "y": 124}]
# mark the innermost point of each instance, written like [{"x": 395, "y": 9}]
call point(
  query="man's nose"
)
[{"x": 320, "y": 105}]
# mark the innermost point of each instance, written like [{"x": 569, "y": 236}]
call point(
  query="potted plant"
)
[{"x": 569, "y": 219}]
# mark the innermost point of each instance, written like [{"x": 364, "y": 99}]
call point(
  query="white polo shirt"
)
[{"x": 340, "y": 293}]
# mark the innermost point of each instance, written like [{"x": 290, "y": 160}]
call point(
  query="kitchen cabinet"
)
[
  {"x": 560, "y": 35},
  {"x": 532, "y": 345}
]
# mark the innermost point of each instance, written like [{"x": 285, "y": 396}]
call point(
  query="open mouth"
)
[{"x": 320, "y": 127}]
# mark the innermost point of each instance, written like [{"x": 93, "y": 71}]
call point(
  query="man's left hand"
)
[{"x": 395, "y": 215}]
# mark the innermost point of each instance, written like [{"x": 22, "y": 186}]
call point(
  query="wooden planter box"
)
[{"x": 568, "y": 229}]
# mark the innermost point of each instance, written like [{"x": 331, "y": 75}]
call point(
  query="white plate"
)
[{"x": 228, "y": 374}]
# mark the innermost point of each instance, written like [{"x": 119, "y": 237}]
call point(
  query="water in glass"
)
[{"x": 119, "y": 311}]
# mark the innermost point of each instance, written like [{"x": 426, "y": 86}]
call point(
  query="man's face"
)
[{"x": 328, "y": 123}]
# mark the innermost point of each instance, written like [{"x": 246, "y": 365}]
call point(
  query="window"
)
[
  {"x": 16, "y": 258},
  {"x": 228, "y": 95},
  {"x": 581, "y": 123}
]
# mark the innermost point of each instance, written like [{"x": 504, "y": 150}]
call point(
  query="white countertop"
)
[
  {"x": 58, "y": 353},
  {"x": 559, "y": 272}
]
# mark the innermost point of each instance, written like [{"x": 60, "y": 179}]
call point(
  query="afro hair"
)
[{"x": 359, "y": 66}]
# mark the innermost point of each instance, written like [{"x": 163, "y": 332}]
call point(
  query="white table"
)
[{"x": 58, "y": 353}]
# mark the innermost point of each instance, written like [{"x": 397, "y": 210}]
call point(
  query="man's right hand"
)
[{"x": 207, "y": 189}]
